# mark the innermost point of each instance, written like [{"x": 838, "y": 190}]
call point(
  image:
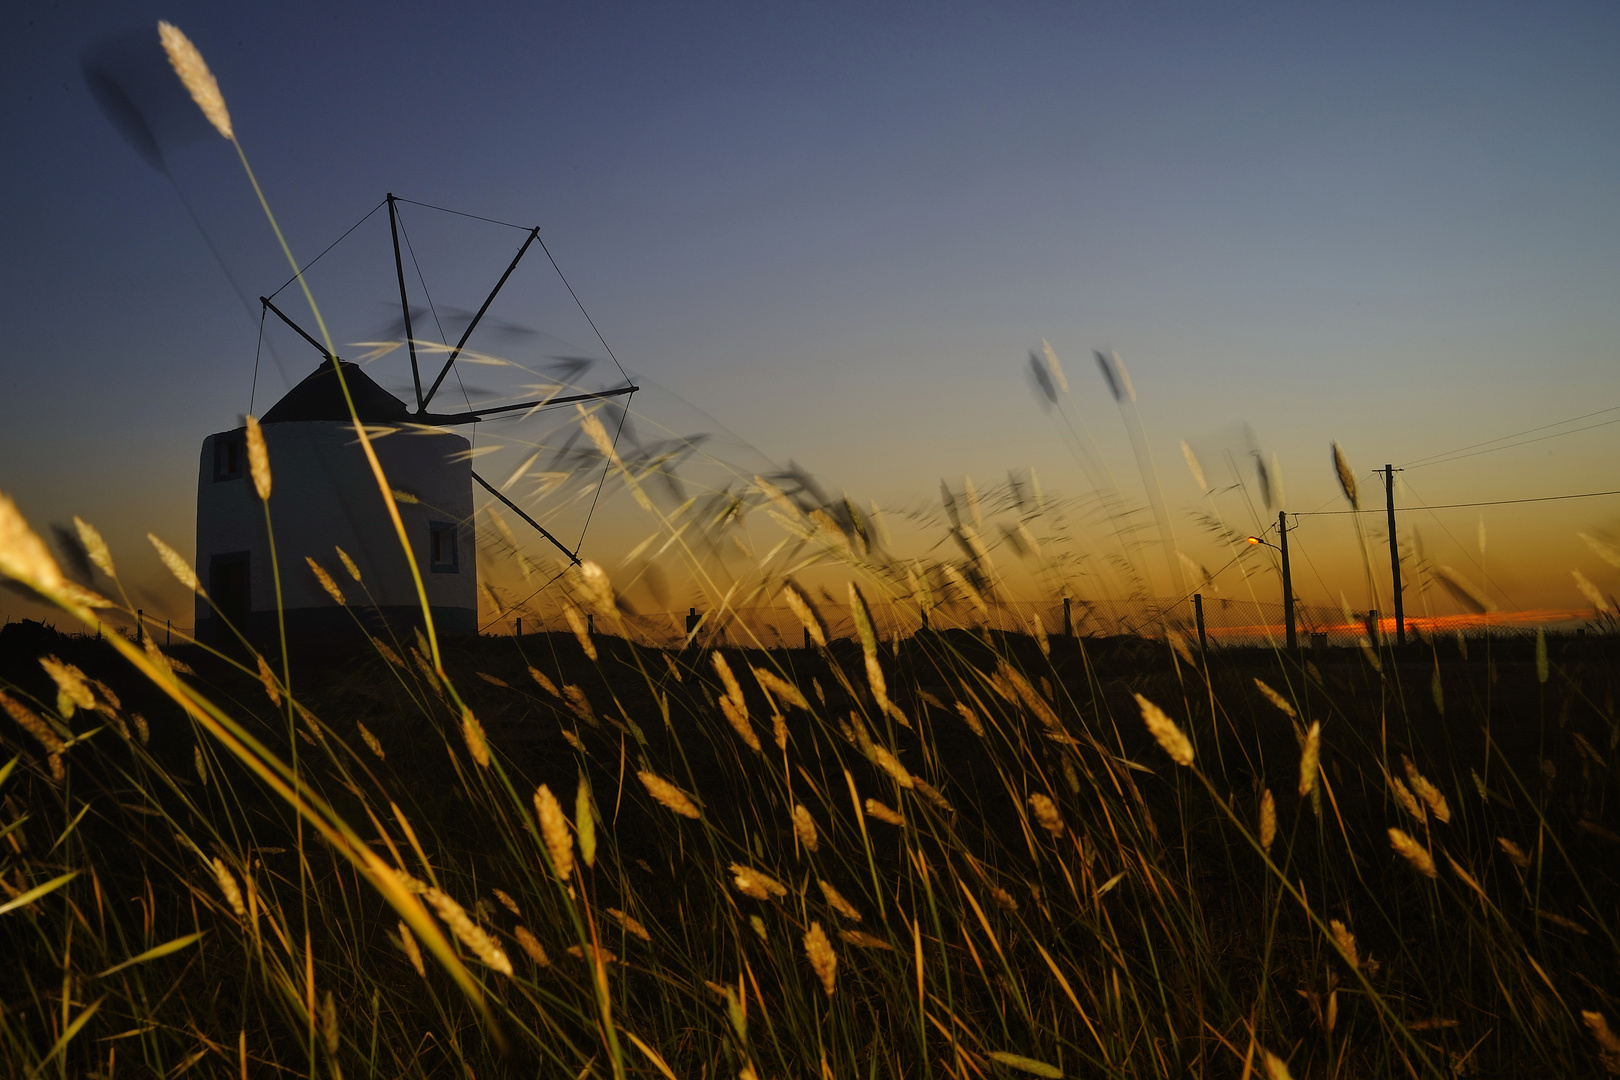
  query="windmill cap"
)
[{"x": 320, "y": 397}]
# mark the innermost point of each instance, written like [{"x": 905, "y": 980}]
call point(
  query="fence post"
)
[
  {"x": 520, "y": 626},
  {"x": 1198, "y": 613}
]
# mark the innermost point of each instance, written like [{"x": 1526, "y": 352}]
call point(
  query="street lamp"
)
[{"x": 1288, "y": 580}]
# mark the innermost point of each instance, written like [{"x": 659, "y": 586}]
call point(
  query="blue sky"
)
[{"x": 838, "y": 231}]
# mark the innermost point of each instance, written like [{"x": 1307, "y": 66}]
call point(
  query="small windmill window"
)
[
  {"x": 228, "y": 457},
  {"x": 443, "y": 554}
]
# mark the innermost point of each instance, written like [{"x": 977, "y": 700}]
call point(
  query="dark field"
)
[{"x": 1050, "y": 893}]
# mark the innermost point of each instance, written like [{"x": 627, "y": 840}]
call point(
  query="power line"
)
[
  {"x": 1453, "y": 506},
  {"x": 1458, "y": 454}
]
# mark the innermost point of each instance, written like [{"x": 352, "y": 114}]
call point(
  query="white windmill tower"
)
[{"x": 325, "y": 497}]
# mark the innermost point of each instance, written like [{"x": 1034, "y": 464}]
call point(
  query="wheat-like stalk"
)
[
  {"x": 754, "y": 883},
  {"x": 227, "y": 886},
  {"x": 94, "y": 546},
  {"x": 1347, "y": 477},
  {"x": 258, "y": 459},
  {"x": 630, "y": 923},
  {"x": 408, "y": 941},
  {"x": 182, "y": 571},
  {"x": 532, "y": 946},
  {"x": 348, "y": 563},
  {"x": 1431, "y": 795},
  {"x": 1310, "y": 759},
  {"x": 268, "y": 678},
  {"x": 1268, "y": 820},
  {"x": 1276, "y": 699},
  {"x": 877, "y": 810},
  {"x": 970, "y": 718},
  {"x": 554, "y": 831},
  {"x": 1408, "y": 802},
  {"x": 371, "y": 741},
  {"x": 545, "y": 683},
  {"x": 1607, "y": 1040},
  {"x": 1413, "y": 852},
  {"x": 1516, "y": 854},
  {"x": 1346, "y": 941},
  {"x": 1276, "y": 1067},
  {"x": 806, "y": 615},
  {"x": 836, "y": 901},
  {"x": 72, "y": 692},
  {"x": 195, "y": 76},
  {"x": 864, "y": 940},
  {"x": 326, "y": 581},
  {"x": 804, "y": 827},
  {"x": 576, "y": 623},
  {"x": 23, "y": 555},
  {"x": 473, "y": 733},
  {"x": 507, "y": 902},
  {"x": 470, "y": 933},
  {"x": 891, "y": 765},
  {"x": 819, "y": 950},
  {"x": 1046, "y": 812},
  {"x": 1165, "y": 731},
  {"x": 668, "y": 795}
]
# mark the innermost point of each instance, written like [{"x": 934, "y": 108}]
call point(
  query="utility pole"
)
[
  {"x": 1394, "y": 555},
  {"x": 1288, "y": 578}
]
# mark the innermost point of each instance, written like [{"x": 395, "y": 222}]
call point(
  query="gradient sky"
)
[{"x": 838, "y": 231}]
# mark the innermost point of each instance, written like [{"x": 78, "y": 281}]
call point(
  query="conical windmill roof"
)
[{"x": 319, "y": 397}]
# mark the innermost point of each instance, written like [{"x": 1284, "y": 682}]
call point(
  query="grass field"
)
[{"x": 955, "y": 855}]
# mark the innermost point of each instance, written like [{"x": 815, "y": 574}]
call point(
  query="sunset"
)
[{"x": 687, "y": 540}]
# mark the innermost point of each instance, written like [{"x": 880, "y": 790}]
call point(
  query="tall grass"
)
[{"x": 960, "y": 852}]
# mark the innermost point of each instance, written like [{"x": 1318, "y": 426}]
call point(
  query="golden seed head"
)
[
  {"x": 227, "y": 885},
  {"x": 1598, "y": 1025},
  {"x": 970, "y": 718},
  {"x": 668, "y": 795},
  {"x": 733, "y": 687},
  {"x": 891, "y": 765},
  {"x": 630, "y": 924},
  {"x": 348, "y": 563},
  {"x": 554, "y": 831},
  {"x": 23, "y": 555},
  {"x": 544, "y": 683},
  {"x": 1347, "y": 477},
  {"x": 1268, "y": 820},
  {"x": 1310, "y": 760},
  {"x": 532, "y": 946},
  {"x": 258, "y": 459},
  {"x": 30, "y": 722},
  {"x": 875, "y": 809},
  {"x": 819, "y": 950},
  {"x": 371, "y": 741},
  {"x": 576, "y": 623},
  {"x": 806, "y": 614},
  {"x": 408, "y": 940},
  {"x": 1514, "y": 852},
  {"x": 473, "y": 733},
  {"x": 804, "y": 827},
  {"x": 195, "y": 76},
  {"x": 1004, "y": 899},
  {"x": 1193, "y": 466},
  {"x": 1407, "y": 801},
  {"x": 864, "y": 940},
  {"x": 1276, "y": 1067},
  {"x": 836, "y": 901},
  {"x": 182, "y": 571},
  {"x": 387, "y": 653},
  {"x": 94, "y": 546},
  {"x": 1046, "y": 813},
  {"x": 71, "y": 689},
  {"x": 470, "y": 933},
  {"x": 1164, "y": 729},
  {"x": 779, "y": 687},
  {"x": 326, "y": 581},
  {"x": 1413, "y": 852},
  {"x": 751, "y": 882},
  {"x": 1346, "y": 941},
  {"x": 268, "y": 678},
  {"x": 507, "y": 902},
  {"x": 1276, "y": 699},
  {"x": 737, "y": 717}
]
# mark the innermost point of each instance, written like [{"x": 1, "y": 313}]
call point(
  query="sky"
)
[{"x": 832, "y": 235}]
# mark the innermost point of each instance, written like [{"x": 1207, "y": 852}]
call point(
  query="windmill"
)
[{"x": 327, "y": 506}]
